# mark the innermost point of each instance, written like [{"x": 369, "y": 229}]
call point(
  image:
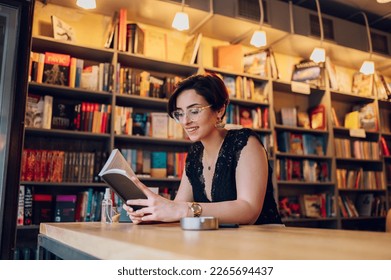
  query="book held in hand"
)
[{"x": 117, "y": 173}]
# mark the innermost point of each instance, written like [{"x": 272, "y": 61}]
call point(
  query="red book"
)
[
  {"x": 42, "y": 208},
  {"x": 384, "y": 146},
  {"x": 265, "y": 118},
  {"x": 56, "y": 69}
]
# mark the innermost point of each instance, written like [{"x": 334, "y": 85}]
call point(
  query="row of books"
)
[
  {"x": 34, "y": 208},
  {"x": 248, "y": 117},
  {"x": 55, "y": 113},
  {"x": 364, "y": 205},
  {"x": 153, "y": 124},
  {"x": 155, "y": 164},
  {"x": 64, "y": 70},
  {"x": 320, "y": 205},
  {"x": 302, "y": 170},
  {"x": 361, "y": 116},
  {"x": 360, "y": 179},
  {"x": 349, "y": 148},
  {"x": 232, "y": 58},
  {"x": 57, "y": 166},
  {"x": 315, "y": 118},
  {"x": 139, "y": 82},
  {"x": 301, "y": 143},
  {"x": 245, "y": 88}
]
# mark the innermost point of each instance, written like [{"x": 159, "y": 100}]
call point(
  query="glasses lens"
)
[
  {"x": 193, "y": 113},
  {"x": 177, "y": 115}
]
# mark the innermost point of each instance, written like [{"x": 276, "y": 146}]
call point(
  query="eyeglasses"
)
[{"x": 191, "y": 113}]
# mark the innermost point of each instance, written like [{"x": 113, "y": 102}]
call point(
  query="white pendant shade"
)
[
  {"x": 86, "y": 4},
  {"x": 318, "y": 55},
  {"x": 368, "y": 67},
  {"x": 258, "y": 39},
  {"x": 181, "y": 21}
]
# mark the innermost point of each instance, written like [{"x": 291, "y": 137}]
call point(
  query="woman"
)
[{"x": 227, "y": 173}]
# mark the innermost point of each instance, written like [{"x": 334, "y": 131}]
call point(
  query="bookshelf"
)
[{"x": 275, "y": 95}]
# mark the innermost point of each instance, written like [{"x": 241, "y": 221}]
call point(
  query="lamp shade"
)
[
  {"x": 86, "y": 4},
  {"x": 318, "y": 55},
  {"x": 258, "y": 39},
  {"x": 368, "y": 67},
  {"x": 181, "y": 21}
]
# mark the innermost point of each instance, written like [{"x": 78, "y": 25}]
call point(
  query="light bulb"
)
[
  {"x": 318, "y": 55},
  {"x": 258, "y": 39},
  {"x": 86, "y": 4},
  {"x": 181, "y": 21}
]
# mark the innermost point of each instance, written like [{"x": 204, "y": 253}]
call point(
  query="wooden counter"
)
[{"x": 169, "y": 241}]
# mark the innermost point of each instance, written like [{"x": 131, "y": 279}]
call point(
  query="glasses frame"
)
[{"x": 200, "y": 109}]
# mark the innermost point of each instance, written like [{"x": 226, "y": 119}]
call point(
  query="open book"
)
[{"x": 117, "y": 173}]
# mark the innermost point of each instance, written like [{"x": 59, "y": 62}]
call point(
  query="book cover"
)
[
  {"x": 230, "y": 57},
  {"x": 28, "y": 205},
  {"x": 368, "y": 117},
  {"x": 62, "y": 113},
  {"x": 332, "y": 74},
  {"x": 65, "y": 208},
  {"x": 47, "y": 111},
  {"x": 362, "y": 84},
  {"x": 289, "y": 116},
  {"x": 110, "y": 30},
  {"x": 117, "y": 173},
  {"x": 256, "y": 63},
  {"x": 296, "y": 143},
  {"x": 245, "y": 119},
  {"x": 134, "y": 38},
  {"x": 230, "y": 84},
  {"x": 34, "y": 111},
  {"x": 62, "y": 30},
  {"x": 352, "y": 120},
  {"x": 311, "y": 205},
  {"x": 191, "y": 49},
  {"x": 159, "y": 164},
  {"x": 42, "y": 206},
  {"x": 56, "y": 69},
  {"x": 155, "y": 44},
  {"x": 159, "y": 125},
  {"x": 334, "y": 118},
  {"x": 20, "y": 215},
  {"x": 318, "y": 117},
  {"x": 384, "y": 146},
  {"x": 309, "y": 72}
]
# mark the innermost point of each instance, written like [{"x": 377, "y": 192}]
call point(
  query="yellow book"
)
[{"x": 352, "y": 120}]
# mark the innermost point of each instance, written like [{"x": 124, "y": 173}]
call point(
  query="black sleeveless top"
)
[{"x": 224, "y": 180}]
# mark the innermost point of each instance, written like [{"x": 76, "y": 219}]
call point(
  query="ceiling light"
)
[
  {"x": 319, "y": 54},
  {"x": 86, "y": 4},
  {"x": 181, "y": 20},
  {"x": 383, "y": 1},
  {"x": 259, "y": 37},
  {"x": 368, "y": 66}
]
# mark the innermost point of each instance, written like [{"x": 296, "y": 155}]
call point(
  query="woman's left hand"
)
[{"x": 156, "y": 207}]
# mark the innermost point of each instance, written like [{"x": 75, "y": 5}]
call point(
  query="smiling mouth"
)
[{"x": 191, "y": 129}]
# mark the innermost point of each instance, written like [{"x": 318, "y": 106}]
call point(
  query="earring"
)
[{"x": 219, "y": 123}]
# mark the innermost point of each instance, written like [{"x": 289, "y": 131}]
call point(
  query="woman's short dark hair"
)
[{"x": 208, "y": 85}]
